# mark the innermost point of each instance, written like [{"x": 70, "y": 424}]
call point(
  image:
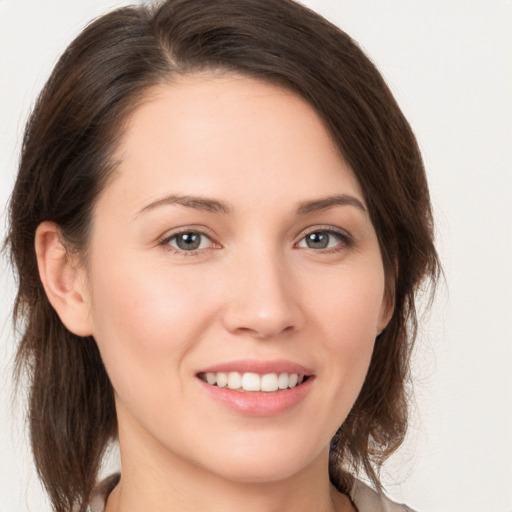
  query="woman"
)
[{"x": 230, "y": 219}]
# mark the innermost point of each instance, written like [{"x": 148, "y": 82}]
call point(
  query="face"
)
[{"x": 236, "y": 284}]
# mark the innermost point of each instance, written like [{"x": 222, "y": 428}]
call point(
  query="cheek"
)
[
  {"x": 144, "y": 322},
  {"x": 140, "y": 298},
  {"x": 349, "y": 304},
  {"x": 347, "y": 318}
]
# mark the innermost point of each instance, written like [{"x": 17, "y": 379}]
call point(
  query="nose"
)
[{"x": 263, "y": 298}]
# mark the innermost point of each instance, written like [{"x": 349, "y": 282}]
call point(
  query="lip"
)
[
  {"x": 259, "y": 403},
  {"x": 261, "y": 367}
]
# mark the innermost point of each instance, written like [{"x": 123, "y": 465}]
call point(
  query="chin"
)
[
  {"x": 250, "y": 472},
  {"x": 265, "y": 463}
]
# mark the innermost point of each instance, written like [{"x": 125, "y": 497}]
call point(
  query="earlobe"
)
[{"x": 63, "y": 280}]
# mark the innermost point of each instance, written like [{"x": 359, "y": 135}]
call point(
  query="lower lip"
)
[{"x": 259, "y": 403}]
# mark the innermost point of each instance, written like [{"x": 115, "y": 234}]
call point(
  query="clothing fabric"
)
[
  {"x": 363, "y": 497},
  {"x": 366, "y": 499}
]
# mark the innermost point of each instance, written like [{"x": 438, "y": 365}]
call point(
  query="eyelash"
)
[
  {"x": 166, "y": 242},
  {"x": 344, "y": 241}
]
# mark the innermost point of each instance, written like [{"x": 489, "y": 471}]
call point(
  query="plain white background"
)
[{"x": 450, "y": 67}]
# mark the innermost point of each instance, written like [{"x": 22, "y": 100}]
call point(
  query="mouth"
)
[
  {"x": 251, "y": 382},
  {"x": 261, "y": 388}
]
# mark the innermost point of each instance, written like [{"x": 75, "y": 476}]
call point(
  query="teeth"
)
[
  {"x": 251, "y": 382},
  {"x": 267, "y": 383},
  {"x": 234, "y": 380},
  {"x": 222, "y": 379},
  {"x": 283, "y": 380}
]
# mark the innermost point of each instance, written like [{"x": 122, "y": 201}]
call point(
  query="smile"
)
[
  {"x": 257, "y": 388},
  {"x": 250, "y": 381}
]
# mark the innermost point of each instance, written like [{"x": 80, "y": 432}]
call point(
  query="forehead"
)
[{"x": 211, "y": 134}]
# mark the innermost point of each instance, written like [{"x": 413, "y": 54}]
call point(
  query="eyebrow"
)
[
  {"x": 197, "y": 203},
  {"x": 325, "y": 203},
  {"x": 216, "y": 206}
]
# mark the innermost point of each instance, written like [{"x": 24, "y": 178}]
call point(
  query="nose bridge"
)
[{"x": 263, "y": 300}]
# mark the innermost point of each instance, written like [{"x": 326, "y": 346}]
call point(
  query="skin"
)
[{"x": 254, "y": 289}]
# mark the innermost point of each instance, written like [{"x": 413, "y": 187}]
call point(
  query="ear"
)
[
  {"x": 63, "y": 280},
  {"x": 387, "y": 307},
  {"x": 386, "y": 313}
]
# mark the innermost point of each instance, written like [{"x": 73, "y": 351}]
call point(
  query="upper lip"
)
[{"x": 258, "y": 366}]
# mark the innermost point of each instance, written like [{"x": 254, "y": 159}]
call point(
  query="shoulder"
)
[{"x": 367, "y": 500}]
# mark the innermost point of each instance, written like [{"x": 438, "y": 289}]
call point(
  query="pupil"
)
[
  {"x": 317, "y": 240},
  {"x": 188, "y": 241}
]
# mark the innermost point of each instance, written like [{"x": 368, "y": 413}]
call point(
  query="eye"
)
[
  {"x": 189, "y": 241},
  {"x": 323, "y": 239}
]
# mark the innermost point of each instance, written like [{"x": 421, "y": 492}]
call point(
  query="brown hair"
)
[{"x": 66, "y": 159}]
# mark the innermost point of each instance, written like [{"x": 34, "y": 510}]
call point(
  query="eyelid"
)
[
  {"x": 346, "y": 239},
  {"x": 324, "y": 227},
  {"x": 165, "y": 239}
]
